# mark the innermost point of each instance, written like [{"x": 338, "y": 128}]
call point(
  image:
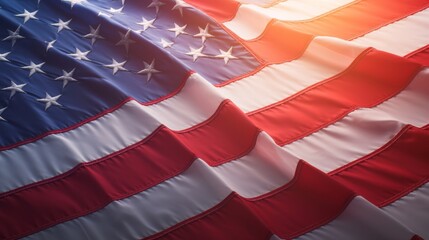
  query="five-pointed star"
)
[
  {"x": 49, "y": 101},
  {"x": 50, "y": 45},
  {"x": 94, "y": 34},
  {"x": 13, "y": 88},
  {"x": 165, "y": 43},
  {"x": 125, "y": 40},
  {"x": 74, "y": 2},
  {"x": 156, "y": 4},
  {"x": 204, "y": 33},
  {"x": 149, "y": 69},
  {"x": 34, "y": 68},
  {"x": 13, "y": 36},
  {"x": 1, "y": 112},
  {"x": 116, "y": 10},
  {"x": 61, "y": 25},
  {"x": 102, "y": 14},
  {"x": 226, "y": 55},
  {"x": 79, "y": 55},
  {"x": 147, "y": 23},
  {"x": 196, "y": 53},
  {"x": 179, "y": 6},
  {"x": 178, "y": 29},
  {"x": 3, "y": 56},
  {"x": 66, "y": 77},
  {"x": 27, "y": 15},
  {"x": 116, "y": 66}
]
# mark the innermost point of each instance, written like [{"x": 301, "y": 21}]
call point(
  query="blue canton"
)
[{"x": 64, "y": 62}]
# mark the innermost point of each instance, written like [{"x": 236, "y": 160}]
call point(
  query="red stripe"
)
[
  {"x": 227, "y": 135},
  {"x": 374, "y": 77},
  {"x": 279, "y": 44},
  {"x": 360, "y": 18},
  {"x": 307, "y": 202},
  {"x": 89, "y": 187},
  {"x": 230, "y": 219},
  {"x": 391, "y": 172},
  {"x": 221, "y": 10},
  {"x": 420, "y": 55}
]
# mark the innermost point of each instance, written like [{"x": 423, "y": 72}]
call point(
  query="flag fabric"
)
[{"x": 202, "y": 119}]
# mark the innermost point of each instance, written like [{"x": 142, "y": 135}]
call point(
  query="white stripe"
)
[
  {"x": 365, "y": 130},
  {"x": 361, "y": 220},
  {"x": 324, "y": 57},
  {"x": 199, "y": 188},
  {"x": 412, "y": 210},
  {"x": 250, "y": 20},
  {"x": 195, "y": 103},
  {"x": 58, "y": 153},
  {"x": 353, "y": 137},
  {"x": 264, "y": 169},
  {"x": 401, "y": 37}
]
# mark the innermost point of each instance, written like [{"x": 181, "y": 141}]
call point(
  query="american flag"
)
[{"x": 214, "y": 119}]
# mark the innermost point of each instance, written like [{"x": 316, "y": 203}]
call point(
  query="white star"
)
[
  {"x": 204, "y": 33},
  {"x": 226, "y": 55},
  {"x": 50, "y": 45},
  {"x": 61, "y": 25},
  {"x": 27, "y": 15},
  {"x": 13, "y": 88},
  {"x": 149, "y": 69},
  {"x": 49, "y": 101},
  {"x": 74, "y": 2},
  {"x": 3, "y": 56},
  {"x": 165, "y": 43},
  {"x": 156, "y": 4},
  {"x": 178, "y": 29},
  {"x": 102, "y": 14},
  {"x": 34, "y": 68},
  {"x": 1, "y": 112},
  {"x": 116, "y": 66},
  {"x": 147, "y": 23},
  {"x": 196, "y": 53},
  {"x": 116, "y": 10},
  {"x": 79, "y": 55},
  {"x": 94, "y": 34},
  {"x": 13, "y": 36},
  {"x": 125, "y": 40},
  {"x": 66, "y": 77},
  {"x": 179, "y": 6}
]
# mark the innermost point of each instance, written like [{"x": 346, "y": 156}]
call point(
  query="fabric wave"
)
[{"x": 184, "y": 120}]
